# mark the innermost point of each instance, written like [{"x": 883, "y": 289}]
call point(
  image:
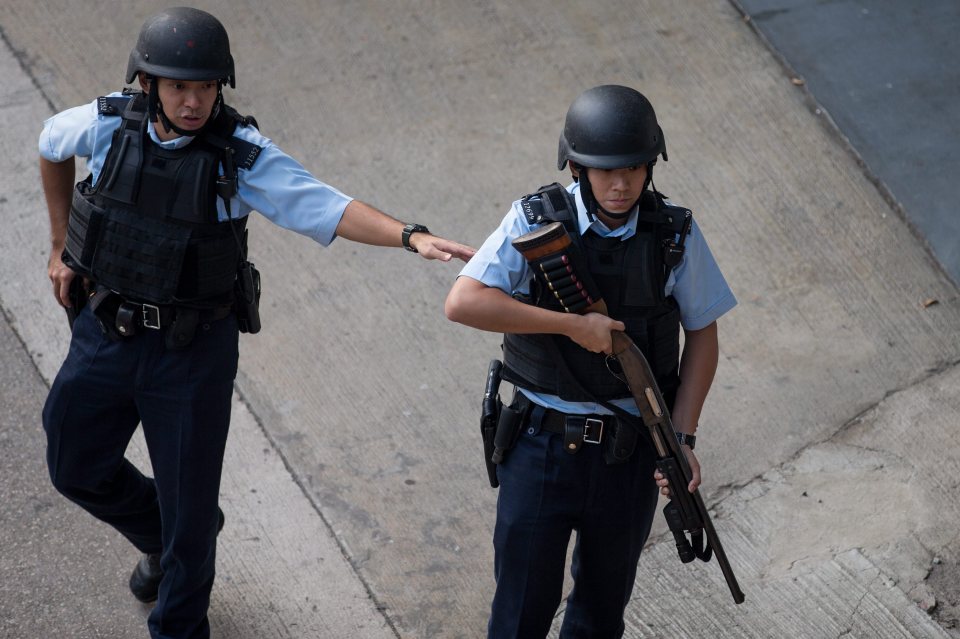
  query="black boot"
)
[{"x": 147, "y": 575}]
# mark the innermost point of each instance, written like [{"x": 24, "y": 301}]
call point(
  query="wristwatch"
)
[
  {"x": 409, "y": 230},
  {"x": 689, "y": 440}
]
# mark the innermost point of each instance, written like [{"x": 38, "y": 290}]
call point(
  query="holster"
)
[{"x": 490, "y": 417}]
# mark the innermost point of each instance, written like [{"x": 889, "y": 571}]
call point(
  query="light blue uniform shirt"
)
[
  {"x": 277, "y": 185},
  {"x": 696, "y": 283}
]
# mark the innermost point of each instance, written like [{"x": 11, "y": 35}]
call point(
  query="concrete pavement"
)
[{"x": 355, "y": 423}]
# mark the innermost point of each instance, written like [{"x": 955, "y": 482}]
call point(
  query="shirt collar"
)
[
  {"x": 624, "y": 232},
  {"x": 175, "y": 143}
]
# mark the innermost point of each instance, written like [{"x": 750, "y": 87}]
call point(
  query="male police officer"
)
[
  {"x": 561, "y": 474},
  {"x": 157, "y": 229}
]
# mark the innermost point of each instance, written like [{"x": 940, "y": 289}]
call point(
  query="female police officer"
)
[
  {"x": 553, "y": 482},
  {"x": 158, "y": 229}
]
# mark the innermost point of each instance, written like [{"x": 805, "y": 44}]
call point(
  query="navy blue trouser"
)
[
  {"x": 545, "y": 495},
  {"x": 183, "y": 399}
]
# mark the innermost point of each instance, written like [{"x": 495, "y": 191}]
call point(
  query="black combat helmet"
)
[
  {"x": 610, "y": 127},
  {"x": 183, "y": 43}
]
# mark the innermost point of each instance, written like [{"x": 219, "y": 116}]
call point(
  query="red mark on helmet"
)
[{"x": 190, "y": 44}]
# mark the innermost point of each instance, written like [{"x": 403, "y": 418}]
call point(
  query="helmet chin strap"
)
[
  {"x": 586, "y": 193},
  {"x": 155, "y": 111}
]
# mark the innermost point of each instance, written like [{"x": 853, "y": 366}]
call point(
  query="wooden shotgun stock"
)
[{"x": 550, "y": 252}]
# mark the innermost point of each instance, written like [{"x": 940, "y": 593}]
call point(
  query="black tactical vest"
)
[
  {"x": 631, "y": 275},
  {"x": 149, "y": 229}
]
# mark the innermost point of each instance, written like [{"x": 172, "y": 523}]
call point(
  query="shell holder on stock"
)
[
  {"x": 556, "y": 262},
  {"x": 553, "y": 250}
]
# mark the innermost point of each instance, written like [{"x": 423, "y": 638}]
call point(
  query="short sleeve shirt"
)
[{"x": 277, "y": 186}]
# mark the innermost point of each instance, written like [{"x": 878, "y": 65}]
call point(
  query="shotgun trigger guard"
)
[{"x": 613, "y": 365}]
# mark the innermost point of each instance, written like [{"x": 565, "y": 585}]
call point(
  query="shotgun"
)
[{"x": 556, "y": 260}]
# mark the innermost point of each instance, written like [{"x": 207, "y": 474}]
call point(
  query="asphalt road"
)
[{"x": 885, "y": 71}]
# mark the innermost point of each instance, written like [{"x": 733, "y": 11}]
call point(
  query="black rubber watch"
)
[
  {"x": 409, "y": 230},
  {"x": 689, "y": 440}
]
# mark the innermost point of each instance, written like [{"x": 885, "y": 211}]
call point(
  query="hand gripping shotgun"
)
[{"x": 557, "y": 263}]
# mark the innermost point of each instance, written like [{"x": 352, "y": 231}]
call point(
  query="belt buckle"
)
[
  {"x": 592, "y": 430},
  {"x": 151, "y": 316}
]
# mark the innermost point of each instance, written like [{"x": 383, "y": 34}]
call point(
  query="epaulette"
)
[
  {"x": 112, "y": 105},
  {"x": 532, "y": 208},
  {"x": 244, "y": 153},
  {"x": 551, "y": 203},
  {"x": 220, "y": 135}
]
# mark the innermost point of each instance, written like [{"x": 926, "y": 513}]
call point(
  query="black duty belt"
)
[
  {"x": 121, "y": 318},
  {"x": 578, "y": 429},
  {"x": 132, "y": 315}
]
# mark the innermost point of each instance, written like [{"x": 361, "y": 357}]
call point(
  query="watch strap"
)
[
  {"x": 409, "y": 230},
  {"x": 689, "y": 440}
]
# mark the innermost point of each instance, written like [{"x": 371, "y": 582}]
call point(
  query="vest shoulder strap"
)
[
  {"x": 655, "y": 209},
  {"x": 121, "y": 176},
  {"x": 551, "y": 203},
  {"x": 675, "y": 221},
  {"x": 220, "y": 135},
  {"x": 245, "y": 153},
  {"x": 676, "y": 217}
]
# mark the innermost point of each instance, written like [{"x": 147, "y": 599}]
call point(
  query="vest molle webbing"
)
[{"x": 149, "y": 228}]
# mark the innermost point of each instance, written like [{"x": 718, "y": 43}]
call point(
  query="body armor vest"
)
[
  {"x": 149, "y": 228},
  {"x": 631, "y": 276}
]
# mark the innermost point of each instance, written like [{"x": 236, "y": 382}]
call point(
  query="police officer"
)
[
  {"x": 570, "y": 406},
  {"x": 157, "y": 231}
]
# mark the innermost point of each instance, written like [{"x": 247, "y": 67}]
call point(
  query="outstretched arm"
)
[{"x": 363, "y": 223}]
